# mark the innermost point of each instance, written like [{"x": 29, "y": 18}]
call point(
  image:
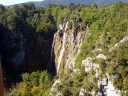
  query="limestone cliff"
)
[{"x": 67, "y": 43}]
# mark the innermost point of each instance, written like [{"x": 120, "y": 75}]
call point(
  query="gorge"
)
[{"x": 73, "y": 50}]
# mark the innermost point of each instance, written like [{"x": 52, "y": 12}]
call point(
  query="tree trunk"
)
[{"x": 1, "y": 81}]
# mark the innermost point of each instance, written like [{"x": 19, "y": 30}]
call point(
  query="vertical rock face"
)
[
  {"x": 67, "y": 43},
  {"x": 25, "y": 54},
  {"x": 18, "y": 60},
  {"x": 31, "y": 55},
  {"x": 38, "y": 54}
]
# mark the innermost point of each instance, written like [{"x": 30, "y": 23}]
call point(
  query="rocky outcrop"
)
[
  {"x": 88, "y": 64},
  {"x": 105, "y": 85},
  {"x": 120, "y": 42},
  {"x": 54, "y": 89}
]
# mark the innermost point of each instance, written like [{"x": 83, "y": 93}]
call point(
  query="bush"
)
[{"x": 34, "y": 84}]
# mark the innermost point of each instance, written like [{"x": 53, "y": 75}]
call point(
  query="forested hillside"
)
[
  {"x": 84, "y": 50},
  {"x": 45, "y": 3},
  {"x": 84, "y": 2}
]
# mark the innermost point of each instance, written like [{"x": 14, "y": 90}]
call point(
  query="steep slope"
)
[
  {"x": 100, "y": 68},
  {"x": 99, "y": 78}
]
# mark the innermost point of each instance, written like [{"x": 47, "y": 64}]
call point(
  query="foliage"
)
[
  {"x": 36, "y": 83},
  {"x": 45, "y": 3}
]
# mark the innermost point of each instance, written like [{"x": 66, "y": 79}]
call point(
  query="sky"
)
[{"x": 11, "y": 2}]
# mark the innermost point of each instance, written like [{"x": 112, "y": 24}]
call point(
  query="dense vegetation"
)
[
  {"x": 84, "y": 2},
  {"x": 22, "y": 24},
  {"x": 106, "y": 22},
  {"x": 35, "y": 84},
  {"x": 110, "y": 23},
  {"x": 45, "y": 3},
  {"x": 108, "y": 27}
]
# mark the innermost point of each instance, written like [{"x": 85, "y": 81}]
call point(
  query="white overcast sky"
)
[{"x": 11, "y": 2}]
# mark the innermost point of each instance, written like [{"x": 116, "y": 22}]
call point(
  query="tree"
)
[
  {"x": 2, "y": 8},
  {"x": 94, "y": 5},
  {"x": 72, "y": 6},
  {"x": 16, "y": 9},
  {"x": 48, "y": 16}
]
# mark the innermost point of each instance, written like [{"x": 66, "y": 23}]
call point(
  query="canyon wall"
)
[
  {"x": 38, "y": 54},
  {"x": 67, "y": 43}
]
